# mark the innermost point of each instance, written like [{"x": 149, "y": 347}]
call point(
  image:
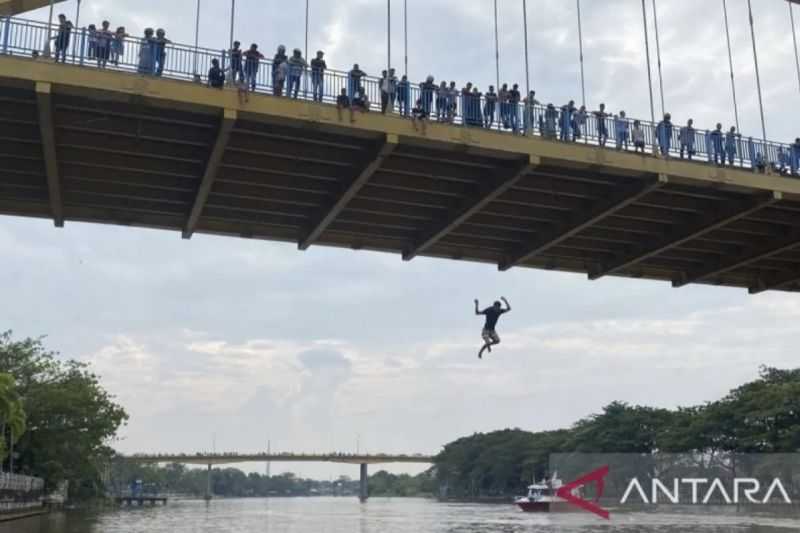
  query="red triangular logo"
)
[{"x": 598, "y": 477}]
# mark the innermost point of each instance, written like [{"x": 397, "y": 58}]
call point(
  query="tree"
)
[
  {"x": 71, "y": 419},
  {"x": 12, "y": 415}
]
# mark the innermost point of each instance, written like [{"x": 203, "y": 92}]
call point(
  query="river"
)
[{"x": 346, "y": 515}]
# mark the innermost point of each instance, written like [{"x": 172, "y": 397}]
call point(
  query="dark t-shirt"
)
[
  {"x": 513, "y": 96},
  {"x": 343, "y": 101},
  {"x": 216, "y": 77},
  {"x": 492, "y": 315},
  {"x": 318, "y": 65}
]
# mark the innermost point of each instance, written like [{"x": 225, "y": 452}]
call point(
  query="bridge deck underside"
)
[{"x": 128, "y": 163}]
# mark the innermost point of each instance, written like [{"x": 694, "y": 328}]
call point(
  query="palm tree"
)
[{"x": 12, "y": 415}]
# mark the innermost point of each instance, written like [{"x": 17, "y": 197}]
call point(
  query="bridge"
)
[
  {"x": 118, "y": 147},
  {"x": 211, "y": 459},
  {"x": 15, "y": 7}
]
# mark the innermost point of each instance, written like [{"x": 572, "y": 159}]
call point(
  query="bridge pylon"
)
[
  {"x": 363, "y": 489},
  {"x": 208, "y": 495}
]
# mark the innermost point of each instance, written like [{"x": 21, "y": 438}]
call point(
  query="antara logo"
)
[
  {"x": 747, "y": 487},
  {"x": 742, "y": 490}
]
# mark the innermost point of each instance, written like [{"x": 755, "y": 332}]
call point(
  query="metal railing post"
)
[
  {"x": 83, "y": 45},
  {"x": 6, "y": 34}
]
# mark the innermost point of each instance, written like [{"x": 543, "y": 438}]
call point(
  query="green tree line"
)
[
  {"x": 69, "y": 420},
  {"x": 762, "y": 416}
]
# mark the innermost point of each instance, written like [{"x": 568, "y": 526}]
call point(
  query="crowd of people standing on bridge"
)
[{"x": 504, "y": 108}]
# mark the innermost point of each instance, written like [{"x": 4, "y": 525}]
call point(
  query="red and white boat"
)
[{"x": 542, "y": 497}]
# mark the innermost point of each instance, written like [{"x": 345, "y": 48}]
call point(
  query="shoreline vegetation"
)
[{"x": 64, "y": 425}]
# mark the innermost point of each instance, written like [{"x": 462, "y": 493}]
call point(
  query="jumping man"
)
[{"x": 490, "y": 336}]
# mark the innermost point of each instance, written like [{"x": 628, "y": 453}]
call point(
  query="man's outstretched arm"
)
[
  {"x": 508, "y": 307},
  {"x": 477, "y": 312}
]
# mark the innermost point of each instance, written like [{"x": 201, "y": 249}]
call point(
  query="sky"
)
[{"x": 231, "y": 343}]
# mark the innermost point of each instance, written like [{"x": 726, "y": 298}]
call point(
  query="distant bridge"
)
[
  {"x": 232, "y": 458},
  {"x": 211, "y": 459}
]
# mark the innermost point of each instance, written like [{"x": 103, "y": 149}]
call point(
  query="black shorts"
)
[{"x": 490, "y": 335}]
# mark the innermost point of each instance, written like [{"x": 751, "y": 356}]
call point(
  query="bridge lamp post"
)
[
  {"x": 647, "y": 53},
  {"x": 658, "y": 60},
  {"x": 580, "y": 52},
  {"x": 730, "y": 62},
  {"x": 794, "y": 38},
  {"x": 758, "y": 75},
  {"x": 49, "y": 26}
]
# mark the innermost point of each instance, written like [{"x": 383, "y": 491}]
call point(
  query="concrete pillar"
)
[
  {"x": 208, "y": 483},
  {"x": 363, "y": 492}
]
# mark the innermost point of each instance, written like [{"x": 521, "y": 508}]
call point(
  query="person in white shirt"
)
[{"x": 637, "y": 134}]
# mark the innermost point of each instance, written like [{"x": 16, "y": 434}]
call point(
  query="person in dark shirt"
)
[
  {"x": 252, "y": 60},
  {"x": 404, "y": 95},
  {"x": 161, "y": 50},
  {"x": 63, "y": 37},
  {"x": 216, "y": 78},
  {"x": 489, "y": 107},
  {"x": 318, "y": 67},
  {"x": 514, "y": 98},
  {"x": 602, "y": 128},
  {"x": 492, "y": 314},
  {"x": 427, "y": 88},
  {"x": 354, "y": 80},
  {"x": 419, "y": 116},
  {"x": 237, "y": 72},
  {"x": 342, "y": 103}
]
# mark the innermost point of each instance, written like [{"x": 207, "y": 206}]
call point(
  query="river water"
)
[{"x": 346, "y": 515}]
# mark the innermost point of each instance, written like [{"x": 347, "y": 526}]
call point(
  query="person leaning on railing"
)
[
  {"x": 235, "y": 55},
  {"x": 147, "y": 53},
  {"x": 161, "y": 43},
  {"x": 104, "y": 38},
  {"x": 318, "y": 67},
  {"x": 565, "y": 120},
  {"x": 664, "y": 134},
  {"x": 118, "y": 45},
  {"x": 715, "y": 151},
  {"x": 731, "y": 140},
  {"x": 252, "y": 60},
  {"x": 297, "y": 65},
  {"x": 404, "y": 96},
  {"x": 637, "y": 134},
  {"x": 579, "y": 123},
  {"x": 602, "y": 127},
  {"x": 529, "y": 116},
  {"x": 621, "y": 127},
  {"x": 686, "y": 138},
  {"x": 489, "y": 107},
  {"x": 278, "y": 59},
  {"x": 62, "y": 38}
]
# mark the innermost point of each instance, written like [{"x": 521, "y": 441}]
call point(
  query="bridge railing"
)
[
  {"x": 183, "y": 62},
  {"x": 20, "y": 492}
]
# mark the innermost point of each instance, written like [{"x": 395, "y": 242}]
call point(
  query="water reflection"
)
[{"x": 341, "y": 515}]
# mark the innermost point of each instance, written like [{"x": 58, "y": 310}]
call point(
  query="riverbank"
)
[{"x": 28, "y": 513}]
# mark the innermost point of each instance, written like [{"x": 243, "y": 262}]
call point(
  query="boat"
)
[{"x": 542, "y": 497}]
